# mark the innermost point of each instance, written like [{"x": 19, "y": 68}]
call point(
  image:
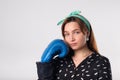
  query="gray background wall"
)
[{"x": 27, "y": 26}]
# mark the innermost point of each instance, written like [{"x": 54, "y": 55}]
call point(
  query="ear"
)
[
  {"x": 87, "y": 33},
  {"x": 87, "y": 36}
]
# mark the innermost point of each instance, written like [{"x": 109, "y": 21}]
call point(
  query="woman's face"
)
[{"x": 74, "y": 36}]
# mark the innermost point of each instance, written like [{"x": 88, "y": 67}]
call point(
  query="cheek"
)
[
  {"x": 66, "y": 40},
  {"x": 81, "y": 39}
]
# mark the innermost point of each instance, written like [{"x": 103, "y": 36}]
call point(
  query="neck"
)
[{"x": 82, "y": 53}]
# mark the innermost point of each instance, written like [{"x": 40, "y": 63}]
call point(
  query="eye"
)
[
  {"x": 77, "y": 32},
  {"x": 66, "y": 34}
]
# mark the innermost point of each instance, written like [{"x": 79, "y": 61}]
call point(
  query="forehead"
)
[{"x": 72, "y": 26}]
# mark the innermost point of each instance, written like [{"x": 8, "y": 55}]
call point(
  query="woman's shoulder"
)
[
  {"x": 58, "y": 61},
  {"x": 62, "y": 59},
  {"x": 102, "y": 59}
]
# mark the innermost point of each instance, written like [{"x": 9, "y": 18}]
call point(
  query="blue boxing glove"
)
[{"x": 56, "y": 48}]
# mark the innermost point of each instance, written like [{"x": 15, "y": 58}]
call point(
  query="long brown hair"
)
[{"x": 91, "y": 43}]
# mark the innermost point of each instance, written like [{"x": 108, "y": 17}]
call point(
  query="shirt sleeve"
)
[
  {"x": 105, "y": 70},
  {"x": 45, "y": 71}
]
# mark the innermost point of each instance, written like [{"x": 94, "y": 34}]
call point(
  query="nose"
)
[{"x": 72, "y": 37}]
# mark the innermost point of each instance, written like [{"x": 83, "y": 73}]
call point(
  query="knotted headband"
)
[{"x": 76, "y": 14}]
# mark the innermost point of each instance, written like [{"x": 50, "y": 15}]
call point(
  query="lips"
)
[{"x": 73, "y": 44}]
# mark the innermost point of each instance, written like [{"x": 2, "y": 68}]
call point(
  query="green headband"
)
[{"x": 76, "y": 14}]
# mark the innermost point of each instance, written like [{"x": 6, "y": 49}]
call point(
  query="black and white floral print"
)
[{"x": 94, "y": 67}]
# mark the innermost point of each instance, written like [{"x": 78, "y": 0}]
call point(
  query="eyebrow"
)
[{"x": 73, "y": 30}]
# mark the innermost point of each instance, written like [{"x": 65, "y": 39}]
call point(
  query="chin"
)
[{"x": 75, "y": 48}]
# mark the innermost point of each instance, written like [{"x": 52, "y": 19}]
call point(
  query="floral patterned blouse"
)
[{"x": 94, "y": 67}]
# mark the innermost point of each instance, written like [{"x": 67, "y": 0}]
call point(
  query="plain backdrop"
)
[{"x": 27, "y": 27}]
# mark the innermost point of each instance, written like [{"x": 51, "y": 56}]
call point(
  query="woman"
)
[{"x": 83, "y": 62}]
